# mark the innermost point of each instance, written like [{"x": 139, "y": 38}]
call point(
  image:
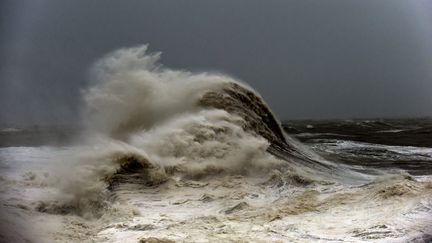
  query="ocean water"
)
[{"x": 172, "y": 156}]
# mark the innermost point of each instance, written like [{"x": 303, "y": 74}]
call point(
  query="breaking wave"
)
[{"x": 149, "y": 124}]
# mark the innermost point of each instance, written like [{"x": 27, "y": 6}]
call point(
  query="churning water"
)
[{"x": 169, "y": 155}]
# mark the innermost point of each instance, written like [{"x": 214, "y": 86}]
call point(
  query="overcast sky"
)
[{"x": 309, "y": 59}]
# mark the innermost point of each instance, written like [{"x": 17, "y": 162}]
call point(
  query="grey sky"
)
[{"x": 309, "y": 59}]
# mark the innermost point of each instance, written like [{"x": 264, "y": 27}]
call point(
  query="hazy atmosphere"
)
[{"x": 308, "y": 59}]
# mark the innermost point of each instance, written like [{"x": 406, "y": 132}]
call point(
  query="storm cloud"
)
[{"x": 308, "y": 59}]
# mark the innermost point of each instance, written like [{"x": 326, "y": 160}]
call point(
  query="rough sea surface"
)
[
  {"x": 236, "y": 207},
  {"x": 172, "y": 156}
]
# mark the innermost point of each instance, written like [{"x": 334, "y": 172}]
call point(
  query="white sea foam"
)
[{"x": 198, "y": 157}]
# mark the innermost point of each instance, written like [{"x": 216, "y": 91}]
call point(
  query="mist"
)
[{"x": 308, "y": 59}]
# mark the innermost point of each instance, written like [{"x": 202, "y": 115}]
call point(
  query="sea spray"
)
[{"x": 181, "y": 125}]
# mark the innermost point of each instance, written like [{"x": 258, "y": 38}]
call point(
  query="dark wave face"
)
[{"x": 247, "y": 104}]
